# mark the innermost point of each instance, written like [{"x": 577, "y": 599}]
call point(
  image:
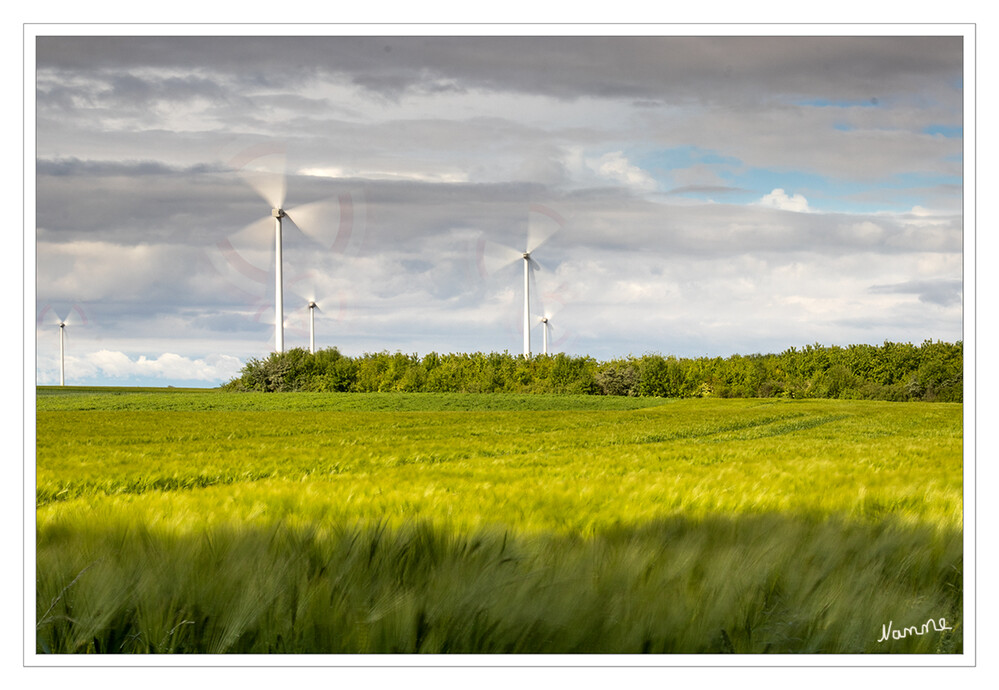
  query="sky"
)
[{"x": 698, "y": 196}]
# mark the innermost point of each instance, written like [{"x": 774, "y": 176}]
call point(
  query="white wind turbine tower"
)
[
  {"x": 542, "y": 224},
  {"x": 74, "y": 317},
  {"x": 265, "y": 173}
]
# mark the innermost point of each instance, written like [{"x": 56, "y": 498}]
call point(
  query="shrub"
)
[
  {"x": 617, "y": 378},
  {"x": 897, "y": 372}
]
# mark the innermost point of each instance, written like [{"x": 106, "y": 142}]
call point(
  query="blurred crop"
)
[{"x": 310, "y": 523}]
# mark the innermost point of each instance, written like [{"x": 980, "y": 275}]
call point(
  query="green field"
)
[{"x": 197, "y": 521}]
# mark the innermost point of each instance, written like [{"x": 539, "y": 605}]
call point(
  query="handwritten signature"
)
[{"x": 937, "y": 625}]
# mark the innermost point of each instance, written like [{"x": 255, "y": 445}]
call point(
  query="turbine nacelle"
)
[{"x": 278, "y": 212}]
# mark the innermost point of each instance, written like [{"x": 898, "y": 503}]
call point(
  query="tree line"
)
[{"x": 932, "y": 371}]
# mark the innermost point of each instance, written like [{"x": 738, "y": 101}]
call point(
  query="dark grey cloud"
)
[
  {"x": 74, "y": 166},
  {"x": 137, "y": 202},
  {"x": 123, "y": 93},
  {"x": 138, "y": 90},
  {"x": 649, "y": 68},
  {"x": 610, "y": 222},
  {"x": 941, "y": 292},
  {"x": 705, "y": 189}
]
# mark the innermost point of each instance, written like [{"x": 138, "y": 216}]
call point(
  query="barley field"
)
[{"x": 204, "y": 522}]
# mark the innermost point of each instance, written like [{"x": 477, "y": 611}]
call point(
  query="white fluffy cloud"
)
[
  {"x": 616, "y": 167},
  {"x": 109, "y": 364},
  {"x": 780, "y": 200}
]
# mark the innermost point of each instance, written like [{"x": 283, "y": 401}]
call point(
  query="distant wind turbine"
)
[
  {"x": 542, "y": 224},
  {"x": 313, "y": 290},
  {"x": 549, "y": 304},
  {"x": 312, "y": 325},
  {"x": 75, "y": 316}
]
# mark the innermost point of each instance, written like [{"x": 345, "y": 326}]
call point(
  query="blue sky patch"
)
[
  {"x": 949, "y": 131},
  {"x": 738, "y": 184}
]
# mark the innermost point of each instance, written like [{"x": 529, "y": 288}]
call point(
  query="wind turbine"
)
[
  {"x": 312, "y": 325},
  {"x": 546, "y": 327},
  {"x": 548, "y": 312},
  {"x": 542, "y": 223},
  {"x": 264, "y": 170},
  {"x": 74, "y": 317},
  {"x": 308, "y": 287}
]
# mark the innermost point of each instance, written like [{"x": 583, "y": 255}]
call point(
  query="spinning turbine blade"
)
[
  {"x": 238, "y": 258},
  {"x": 48, "y": 317},
  {"x": 263, "y": 168},
  {"x": 493, "y": 257},
  {"x": 243, "y": 250},
  {"x": 542, "y": 223},
  {"x": 329, "y": 222},
  {"x": 76, "y": 316},
  {"x": 236, "y": 271},
  {"x": 253, "y": 237},
  {"x": 265, "y": 315},
  {"x": 271, "y": 187},
  {"x": 310, "y": 287}
]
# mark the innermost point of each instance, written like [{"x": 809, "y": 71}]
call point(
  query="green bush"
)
[
  {"x": 617, "y": 378},
  {"x": 929, "y": 372}
]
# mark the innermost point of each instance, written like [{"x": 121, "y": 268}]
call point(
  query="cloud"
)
[
  {"x": 616, "y": 167},
  {"x": 117, "y": 365},
  {"x": 735, "y": 68},
  {"x": 94, "y": 271},
  {"x": 942, "y": 292},
  {"x": 68, "y": 167},
  {"x": 704, "y": 189},
  {"x": 780, "y": 200}
]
